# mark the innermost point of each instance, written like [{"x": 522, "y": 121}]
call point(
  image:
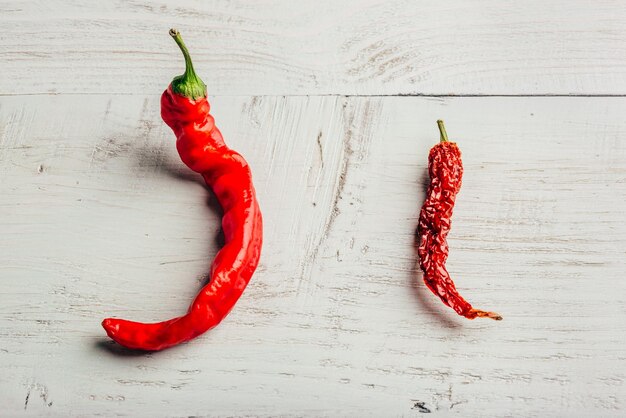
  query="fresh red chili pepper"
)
[
  {"x": 184, "y": 107},
  {"x": 445, "y": 169}
]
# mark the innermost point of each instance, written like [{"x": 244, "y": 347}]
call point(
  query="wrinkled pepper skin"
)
[
  {"x": 202, "y": 149},
  {"x": 446, "y": 171}
]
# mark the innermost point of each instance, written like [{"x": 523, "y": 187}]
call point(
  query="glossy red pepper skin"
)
[
  {"x": 446, "y": 171},
  {"x": 202, "y": 149}
]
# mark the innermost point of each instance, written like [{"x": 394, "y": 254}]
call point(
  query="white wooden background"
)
[{"x": 334, "y": 105}]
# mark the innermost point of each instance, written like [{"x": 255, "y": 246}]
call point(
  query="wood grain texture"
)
[
  {"x": 99, "y": 217},
  {"x": 356, "y": 47}
]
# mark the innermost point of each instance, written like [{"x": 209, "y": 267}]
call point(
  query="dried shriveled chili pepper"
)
[
  {"x": 184, "y": 107},
  {"x": 445, "y": 169}
]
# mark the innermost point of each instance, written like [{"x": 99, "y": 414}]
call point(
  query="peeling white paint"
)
[{"x": 336, "y": 321}]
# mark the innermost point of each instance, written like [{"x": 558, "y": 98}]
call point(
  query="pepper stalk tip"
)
[
  {"x": 188, "y": 84},
  {"x": 442, "y": 131}
]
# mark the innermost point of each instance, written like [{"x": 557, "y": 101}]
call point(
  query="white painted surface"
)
[
  {"x": 99, "y": 217},
  {"x": 317, "y": 47}
]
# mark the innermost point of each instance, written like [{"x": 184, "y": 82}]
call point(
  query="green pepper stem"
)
[
  {"x": 442, "y": 131},
  {"x": 188, "y": 84},
  {"x": 189, "y": 71}
]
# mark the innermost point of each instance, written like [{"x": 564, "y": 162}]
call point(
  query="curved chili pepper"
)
[
  {"x": 445, "y": 169},
  {"x": 184, "y": 107}
]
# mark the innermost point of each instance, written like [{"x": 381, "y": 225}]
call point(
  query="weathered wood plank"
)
[
  {"x": 357, "y": 47},
  {"x": 99, "y": 217}
]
